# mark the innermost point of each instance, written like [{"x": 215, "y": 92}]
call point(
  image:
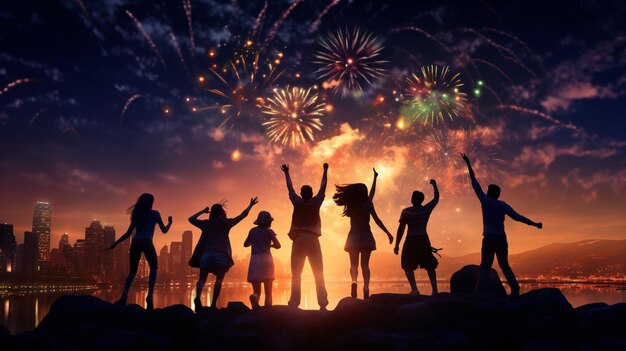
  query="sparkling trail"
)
[
  {"x": 127, "y": 104},
  {"x": 192, "y": 42},
  {"x": 147, "y": 37},
  {"x": 281, "y": 19},
  {"x": 15, "y": 83},
  {"x": 318, "y": 20}
]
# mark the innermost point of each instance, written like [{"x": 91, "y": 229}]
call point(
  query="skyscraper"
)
[
  {"x": 163, "y": 258},
  {"x": 176, "y": 259},
  {"x": 31, "y": 253},
  {"x": 187, "y": 248},
  {"x": 79, "y": 256},
  {"x": 108, "y": 256},
  {"x": 65, "y": 254},
  {"x": 42, "y": 221},
  {"x": 94, "y": 248},
  {"x": 7, "y": 247}
]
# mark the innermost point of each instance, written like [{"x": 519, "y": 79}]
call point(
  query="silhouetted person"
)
[
  {"x": 306, "y": 228},
  {"x": 213, "y": 253},
  {"x": 143, "y": 221},
  {"x": 261, "y": 270},
  {"x": 494, "y": 236},
  {"x": 417, "y": 251},
  {"x": 359, "y": 207}
]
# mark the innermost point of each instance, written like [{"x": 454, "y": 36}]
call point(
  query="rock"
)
[
  {"x": 235, "y": 308},
  {"x": 5, "y": 338},
  {"x": 548, "y": 301},
  {"x": 397, "y": 299},
  {"x": 352, "y": 313},
  {"x": 465, "y": 279}
]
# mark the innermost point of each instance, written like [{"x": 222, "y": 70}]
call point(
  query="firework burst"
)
[
  {"x": 244, "y": 87},
  {"x": 350, "y": 61},
  {"x": 433, "y": 96},
  {"x": 294, "y": 116}
]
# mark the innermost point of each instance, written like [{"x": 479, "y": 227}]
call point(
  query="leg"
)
[
  {"x": 151, "y": 257},
  {"x": 256, "y": 294},
  {"x": 135, "y": 255},
  {"x": 354, "y": 270},
  {"x": 219, "y": 278},
  {"x": 410, "y": 275},
  {"x": 432, "y": 275},
  {"x": 486, "y": 261},
  {"x": 297, "y": 265},
  {"x": 204, "y": 273},
  {"x": 365, "y": 268},
  {"x": 268, "y": 292},
  {"x": 317, "y": 266},
  {"x": 502, "y": 253}
]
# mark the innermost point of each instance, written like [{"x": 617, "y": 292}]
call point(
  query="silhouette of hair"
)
[
  {"x": 140, "y": 210},
  {"x": 217, "y": 212},
  {"x": 417, "y": 198},
  {"x": 493, "y": 191},
  {"x": 306, "y": 192},
  {"x": 350, "y": 196}
]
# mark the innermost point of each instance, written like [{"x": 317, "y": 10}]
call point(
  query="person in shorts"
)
[{"x": 417, "y": 251}]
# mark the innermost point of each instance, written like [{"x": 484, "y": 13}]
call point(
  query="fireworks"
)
[
  {"x": 15, "y": 83},
  {"x": 187, "y": 8},
  {"x": 433, "y": 97},
  {"x": 350, "y": 60},
  {"x": 294, "y": 115},
  {"x": 147, "y": 37},
  {"x": 272, "y": 33},
  {"x": 178, "y": 52},
  {"x": 128, "y": 102},
  {"x": 243, "y": 90}
]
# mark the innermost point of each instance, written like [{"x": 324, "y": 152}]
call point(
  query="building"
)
[
  {"x": 7, "y": 247},
  {"x": 164, "y": 259},
  {"x": 30, "y": 258},
  {"x": 177, "y": 269},
  {"x": 79, "y": 256},
  {"x": 94, "y": 249},
  {"x": 187, "y": 248},
  {"x": 109, "y": 256},
  {"x": 42, "y": 221},
  {"x": 66, "y": 259}
]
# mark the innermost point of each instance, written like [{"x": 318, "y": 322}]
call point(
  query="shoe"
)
[
  {"x": 197, "y": 305},
  {"x": 366, "y": 293},
  {"x": 149, "y": 304},
  {"x": 254, "y": 301},
  {"x": 121, "y": 301},
  {"x": 323, "y": 308},
  {"x": 353, "y": 290}
]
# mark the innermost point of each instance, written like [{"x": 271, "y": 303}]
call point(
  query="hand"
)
[
  {"x": 206, "y": 210},
  {"x": 254, "y": 201},
  {"x": 539, "y": 225},
  {"x": 375, "y": 173},
  {"x": 285, "y": 168},
  {"x": 433, "y": 182},
  {"x": 390, "y": 238},
  {"x": 325, "y": 166},
  {"x": 465, "y": 158},
  {"x": 396, "y": 250},
  {"x": 169, "y": 219}
]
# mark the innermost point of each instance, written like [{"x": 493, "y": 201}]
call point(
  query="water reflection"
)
[{"x": 24, "y": 312}]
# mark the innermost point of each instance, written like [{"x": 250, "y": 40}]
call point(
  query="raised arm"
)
[
  {"x": 194, "y": 218},
  {"x": 373, "y": 188},
  {"x": 244, "y": 214},
  {"x": 322, "y": 190},
  {"x": 285, "y": 169},
  {"x": 477, "y": 189},
  {"x": 125, "y": 236},
  {"x": 164, "y": 228},
  {"x": 518, "y": 217},
  {"x": 380, "y": 223},
  {"x": 435, "y": 199}
]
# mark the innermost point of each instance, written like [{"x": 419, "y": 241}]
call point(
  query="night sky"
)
[{"x": 547, "y": 124}]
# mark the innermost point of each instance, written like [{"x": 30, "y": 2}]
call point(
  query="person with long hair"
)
[
  {"x": 359, "y": 206},
  {"x": 417, "y": 250},
  {"x": 213, "y": 253},
  {"x": 143, "y": 221}
]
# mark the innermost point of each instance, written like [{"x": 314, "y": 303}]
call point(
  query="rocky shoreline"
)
[{"x": 538, "y": 320}]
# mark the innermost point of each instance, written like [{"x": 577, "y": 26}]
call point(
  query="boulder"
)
[
  {"x": 5, "y": 338},
  {"x": 389, "y": 299},
  {"x": 465, "y": 279},
  {"x": 547, "y": 301}
]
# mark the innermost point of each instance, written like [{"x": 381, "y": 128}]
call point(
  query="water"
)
[{"x": 23, "y": 312}]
